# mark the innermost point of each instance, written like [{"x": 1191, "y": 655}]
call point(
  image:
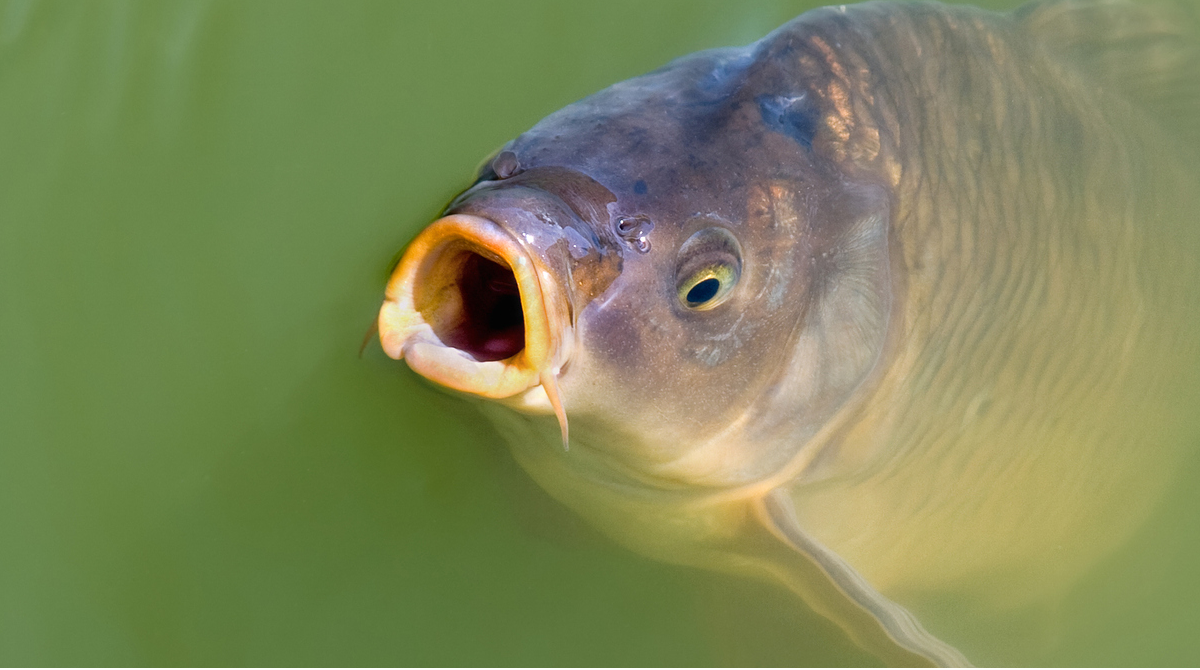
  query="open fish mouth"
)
[{"x": 466, "y": 308}]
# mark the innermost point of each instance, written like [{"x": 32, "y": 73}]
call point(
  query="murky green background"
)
[{"x": 198, "y": 203}]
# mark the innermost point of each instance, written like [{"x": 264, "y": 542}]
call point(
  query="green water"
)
[{"x": 198, "y": 205}]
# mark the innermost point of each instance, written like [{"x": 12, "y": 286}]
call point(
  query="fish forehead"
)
[
  {"x": 827, "y": 76},
  {"x": 687, "y": 138}
]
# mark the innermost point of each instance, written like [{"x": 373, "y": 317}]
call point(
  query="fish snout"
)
[{"x": 466, "y": 308}]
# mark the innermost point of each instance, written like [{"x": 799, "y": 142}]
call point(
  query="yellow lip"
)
[{"x": 429, "y": 308}]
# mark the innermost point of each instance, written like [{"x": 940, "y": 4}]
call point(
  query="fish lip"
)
[{"x": 421, "y": 295}]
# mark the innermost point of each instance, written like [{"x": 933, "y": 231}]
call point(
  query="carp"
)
[{"x": 899, "y": 299}]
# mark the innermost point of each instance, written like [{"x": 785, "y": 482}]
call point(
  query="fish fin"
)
[
  {"x": 1149, "y": 52},
  {"x": 834, "y": 589}
]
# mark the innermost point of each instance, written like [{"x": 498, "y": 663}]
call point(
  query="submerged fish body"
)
[{"x": 898, "y": 299}]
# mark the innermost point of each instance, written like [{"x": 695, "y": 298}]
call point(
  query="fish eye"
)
[
  {"x": 707, "y": 289},
  {"x": 708, "y": 267}
]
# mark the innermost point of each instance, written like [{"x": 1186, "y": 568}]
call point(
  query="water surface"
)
[{"x": 198, "y": 205}]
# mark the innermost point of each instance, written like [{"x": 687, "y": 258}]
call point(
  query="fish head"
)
[{"x": 677, "y": 264}]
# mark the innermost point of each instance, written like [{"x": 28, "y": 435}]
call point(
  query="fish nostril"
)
[
  {"x": 635, "y": 231},
  {"x": 491, "y": 326},
  {"x": 506, "y": 165}
]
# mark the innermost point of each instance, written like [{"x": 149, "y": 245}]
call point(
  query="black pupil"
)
[{"x": 704, "y": 291}]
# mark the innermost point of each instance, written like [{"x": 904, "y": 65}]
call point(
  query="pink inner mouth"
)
[{"x": 491, "y": 326}]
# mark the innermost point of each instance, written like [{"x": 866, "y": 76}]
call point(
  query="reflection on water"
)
[{"x": 198, "y": 202}]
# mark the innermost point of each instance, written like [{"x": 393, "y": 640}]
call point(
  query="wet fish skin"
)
[{"x": 963, "y": 337}]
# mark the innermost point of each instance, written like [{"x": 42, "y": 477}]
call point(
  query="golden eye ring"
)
[{"x": 707, "y": 287}]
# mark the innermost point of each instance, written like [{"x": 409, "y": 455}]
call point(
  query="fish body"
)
[{"x": 899, "y": 299}]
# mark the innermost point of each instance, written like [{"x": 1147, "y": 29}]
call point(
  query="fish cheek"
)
[
  {"x": 635, "y": 346},
  {"x": 614, "y": 335}
]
